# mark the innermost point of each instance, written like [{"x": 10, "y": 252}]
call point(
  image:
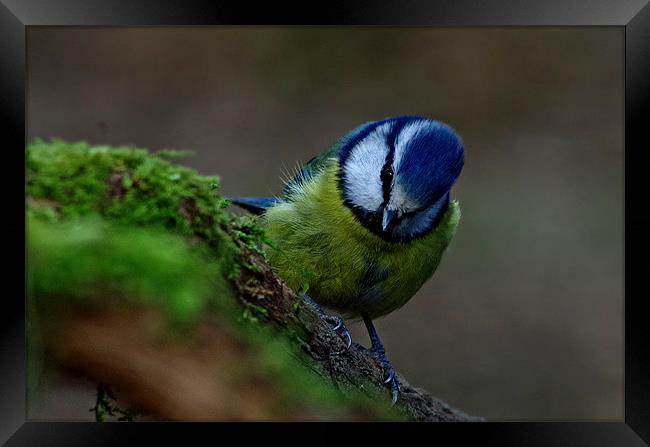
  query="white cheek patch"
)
[{"x": 362, "y": 180}]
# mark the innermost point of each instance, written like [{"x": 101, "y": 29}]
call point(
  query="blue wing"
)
[{"x": 255, "y": 205}]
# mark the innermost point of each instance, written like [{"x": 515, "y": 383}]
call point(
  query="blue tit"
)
[{"x": 364, "y": 224}]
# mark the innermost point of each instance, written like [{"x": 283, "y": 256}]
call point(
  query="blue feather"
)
[
  {"x": 433, "y": 160},
  {"x": 255, "y": 205}
]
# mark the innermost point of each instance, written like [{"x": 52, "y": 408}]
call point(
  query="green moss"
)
[
  {"x": 252, "y": 312},
  {"x": 89, "y": 259},
  {"x": 126, "y": 184},
  {"x": 133, "y": 187},
  {"x": 130, "y": 189}
]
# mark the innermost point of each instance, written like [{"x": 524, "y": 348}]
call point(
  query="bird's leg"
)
[
  {"x": 336, "y": 322},
  {"x": 379, "y": 353}
]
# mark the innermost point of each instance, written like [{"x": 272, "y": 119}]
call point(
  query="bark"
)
[{"x": 346, "y": 368}]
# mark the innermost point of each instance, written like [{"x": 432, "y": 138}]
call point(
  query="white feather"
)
[{"x": 362, "y": 171}]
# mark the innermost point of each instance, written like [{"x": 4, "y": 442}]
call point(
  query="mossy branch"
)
[{"x": 139, "y": 278}]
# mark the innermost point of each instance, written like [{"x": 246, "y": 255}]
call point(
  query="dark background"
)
[{"x": 523, "y": 319}]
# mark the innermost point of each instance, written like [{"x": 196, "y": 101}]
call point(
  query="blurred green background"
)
[{"x": 524, "y": 318}]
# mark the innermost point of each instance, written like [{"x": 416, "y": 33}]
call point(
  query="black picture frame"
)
[{"x": 632, "y": 15}]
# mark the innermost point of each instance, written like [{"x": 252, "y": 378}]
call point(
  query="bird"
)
[{"x": 363, "y": 225}]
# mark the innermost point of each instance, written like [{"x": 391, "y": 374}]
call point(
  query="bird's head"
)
[{"x": 396, "y": 174}]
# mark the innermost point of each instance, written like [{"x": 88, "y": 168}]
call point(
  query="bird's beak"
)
[{"x": 389, "y": 220}]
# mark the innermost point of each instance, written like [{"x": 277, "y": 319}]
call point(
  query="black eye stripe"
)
[
  {"x": 386, "y": 176},
  {"x": 387, "y": 173}
]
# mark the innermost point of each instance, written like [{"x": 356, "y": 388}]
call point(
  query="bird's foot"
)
[
  {"x": 379, "y": 353},
  {"x": 390, "y": 375},
  {"x": 336, "y": 322}
]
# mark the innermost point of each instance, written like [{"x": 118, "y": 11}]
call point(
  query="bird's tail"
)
[{"x": 255, "y": 205}]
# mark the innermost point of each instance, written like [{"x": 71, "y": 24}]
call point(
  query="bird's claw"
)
[
  {"x": 394, "y": 386},
  {"x": 337, "y": 323},
  {"x": 391, "y": 376},
  {"x": 348, "y": 339},
  {"x": 339, "y": 327},
  {"x": 395, "y": 395}
]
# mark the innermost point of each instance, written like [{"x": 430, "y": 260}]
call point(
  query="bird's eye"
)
[{"x": 387, "y": 174}]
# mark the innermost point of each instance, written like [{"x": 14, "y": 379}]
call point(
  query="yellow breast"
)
[{"x": 322, "y": 247}]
